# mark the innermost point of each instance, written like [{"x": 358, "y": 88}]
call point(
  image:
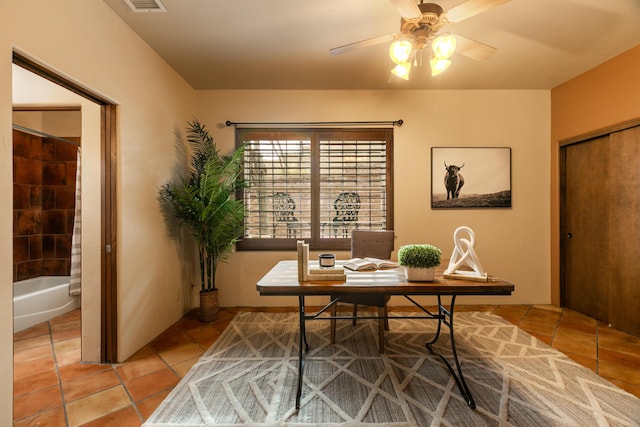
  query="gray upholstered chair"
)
[{"x": 368, "y": 243}]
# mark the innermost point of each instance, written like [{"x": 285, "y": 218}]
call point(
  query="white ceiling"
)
[{"x": 284, "y": 44}]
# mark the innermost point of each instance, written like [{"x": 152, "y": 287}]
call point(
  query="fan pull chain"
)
[{"x": 417, "y": 59}]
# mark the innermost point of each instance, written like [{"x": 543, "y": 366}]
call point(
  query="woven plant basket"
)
[{"x": 209, "y": 306}]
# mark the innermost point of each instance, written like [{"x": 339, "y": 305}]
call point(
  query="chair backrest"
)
[
  {"x": 372, "y": 243},
  {"x": 283, "y": 207},
  {"x": 347, "y": 206}
]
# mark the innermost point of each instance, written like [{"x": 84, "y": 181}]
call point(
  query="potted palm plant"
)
[
  {"x": 205, "y": 203},
  {"x": 420, "y": 261}
]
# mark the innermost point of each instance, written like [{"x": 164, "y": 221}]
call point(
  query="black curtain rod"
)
[
  {"x": 43, "y": 134},
  {"x": 383, "y": 122}
]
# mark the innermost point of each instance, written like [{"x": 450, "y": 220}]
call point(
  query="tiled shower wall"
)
[{"x": 44, "y": 171}]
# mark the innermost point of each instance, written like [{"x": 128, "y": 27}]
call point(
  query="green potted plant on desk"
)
[
  {"x": 420, "y": 261},
  {"x": 205, "y": 203}
]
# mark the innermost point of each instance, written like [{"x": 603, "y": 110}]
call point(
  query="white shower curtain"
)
[{"x": 75, "y": 287}]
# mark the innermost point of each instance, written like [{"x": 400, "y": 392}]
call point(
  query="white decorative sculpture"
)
[{"x": 464, "y": 254}]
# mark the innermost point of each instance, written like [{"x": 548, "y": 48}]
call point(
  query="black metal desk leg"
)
[
  {"x": 302, "y": 339},
  {"x": 458, "y": 377},
  {"x": 439, "y": 328}
]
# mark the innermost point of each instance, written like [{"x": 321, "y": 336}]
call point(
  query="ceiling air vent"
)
[{"x": 145, "y": 5}]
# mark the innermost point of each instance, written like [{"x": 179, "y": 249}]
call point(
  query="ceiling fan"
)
[{"x": 419, "y": 28}]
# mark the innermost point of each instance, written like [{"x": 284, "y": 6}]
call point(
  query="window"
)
[{"x": 315, "y": 185}]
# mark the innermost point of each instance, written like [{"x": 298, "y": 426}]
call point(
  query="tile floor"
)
[{"x": 53, "y": 388}]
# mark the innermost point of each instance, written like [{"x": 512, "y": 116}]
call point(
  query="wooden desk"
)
[{"x": 282, "y": 279}]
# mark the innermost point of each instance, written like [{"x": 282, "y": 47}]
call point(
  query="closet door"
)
[
  {"x": 624, "y": 226},
  {"x": 600, "y": 211},
  {"x": 586, "y": 227}
]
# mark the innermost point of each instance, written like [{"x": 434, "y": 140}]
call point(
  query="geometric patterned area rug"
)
[{"x": 248, "y": 377}]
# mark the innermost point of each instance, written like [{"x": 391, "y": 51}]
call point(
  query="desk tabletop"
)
[{"x": 282, "y": 279}]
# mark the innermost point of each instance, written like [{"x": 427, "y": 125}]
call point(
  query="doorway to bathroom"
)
[{"x": 37, "y": 88}]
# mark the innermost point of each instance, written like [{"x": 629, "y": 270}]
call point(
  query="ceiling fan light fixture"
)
[
  {"x": 443, "y": 46},
  {"x": 400, "y": 51},
  {"x": 402, "y": 70},
  {"x": 439, "y": 65}
]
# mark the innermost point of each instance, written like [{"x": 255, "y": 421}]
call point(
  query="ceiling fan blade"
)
[
  {"x": 408, "y": 9},
  {"x": 471, "y": 8},
  {"x": 363, "y": 43},
  {"x": 473, "y": 49}
]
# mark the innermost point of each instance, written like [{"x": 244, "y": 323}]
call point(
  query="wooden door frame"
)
[{"x": 108, "y": 226}]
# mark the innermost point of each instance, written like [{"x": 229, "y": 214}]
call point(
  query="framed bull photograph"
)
[{"x": 470, "y": 177}]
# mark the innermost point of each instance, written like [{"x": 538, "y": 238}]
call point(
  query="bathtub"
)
[{"x": 40, "y": 299}]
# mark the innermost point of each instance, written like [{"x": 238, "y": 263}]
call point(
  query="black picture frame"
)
[{"x": 486, "y": 172}]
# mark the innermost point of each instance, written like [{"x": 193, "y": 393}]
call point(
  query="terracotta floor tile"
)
[
  {"x": 22, "y": 370},
  {"x": 127, "y": 417},
  {"x": 542, "y": 337},
  {"x": 577, "y": 317},
  {"x": 141, "y": 354},
  {"x": 99, "y": 392},
  {"x": 97, "y": 405},
  {"x": 208, "y": 342},
  {"x": 575, "y": 342},
  {"x": 27, "y": 343},
  {"x": 577, "y": 326},
  {"x": 50, "y": 418},
  {"x": 221, "y": 325},
  {"x": 69, "y": 357},
  {"x": 181, "y": 353},
  {"x": 84, "y": 386},
  {"x": 202, "y": 332},
  {"x": 171, "y": 331},
  {"x": 183, "y": 367},
  {"x": 547, "y": 307},
  {"x": 629, "y": 388},
  {"x": 34, "y": 331},
  {"x": 587, "y": 362},
  {"x": 67, "y": 345},
  {"x": 66, "y": 322},
  {"x": 533, "y": 326},
  {"x": 618, "y": 371},
  {"x": 229, "y": 314},
  {"x": 67, "y": 330},
  {"x": 142, "y": 387},
  {"x": 618, "y": 357},
  {"x": 542, "y": 316},
  {"x": 35, "y": 382},
  {"x": 68, "y": 351},
  {"x": 79, "y": 370},
  {"x": 32, "y": 353},
  {"x": 31, "y": 404},
  {"x": 617, "y": 340},
  {"x": 148, "y": 405},
  {"x": 140, "y": 367},
  {"x": 188, "y": 323},
  {"x": 74, "y": 315},
  {"x": 168, "y": 342},
  {"x": 66, "y": 334}
]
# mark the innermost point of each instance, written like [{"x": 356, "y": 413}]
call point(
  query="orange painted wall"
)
[{"x": 604, "y": 96}]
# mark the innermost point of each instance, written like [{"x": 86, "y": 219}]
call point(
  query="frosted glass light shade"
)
[
  {"x": 402, "y": 70},
  {"x": 443, "y": 46},
  {"x": 400, "y": 51},
  {"x": 439, "y": 65}
]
